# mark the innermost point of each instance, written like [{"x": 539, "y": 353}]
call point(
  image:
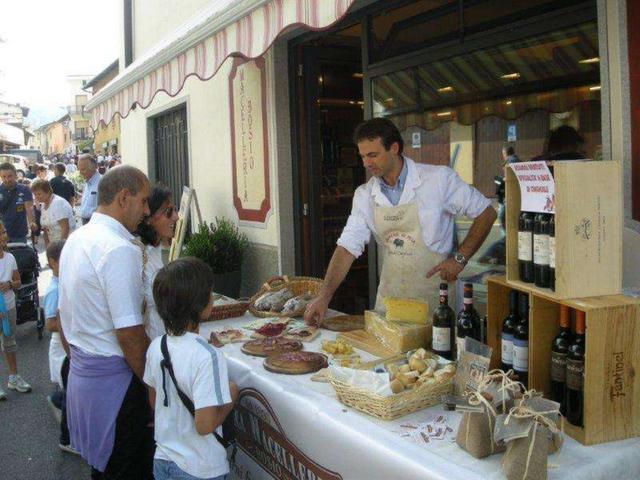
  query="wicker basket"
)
[
  {"x": 393, "y": 406},
  {"x": 222, "y": 312},
  {"x": 297, "y": 285}
]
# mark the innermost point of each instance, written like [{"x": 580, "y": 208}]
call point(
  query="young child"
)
[
  {"x": 186, "y": 448},
  {"x": 10, "y": 281},
  {"x": 58, "y": 361}
]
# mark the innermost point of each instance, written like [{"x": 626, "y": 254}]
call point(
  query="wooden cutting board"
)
[
  {"x": 279, "y": 364},
  {"x": 270, "y": 346},
  {"x": 344, "y": 323},
  {"x": 368, "y": 342}
]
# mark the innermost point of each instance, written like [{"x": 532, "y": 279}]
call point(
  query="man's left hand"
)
[{"x": 449, "y": 270}]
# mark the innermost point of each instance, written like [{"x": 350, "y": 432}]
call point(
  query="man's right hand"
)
[{"x": 316, "y": 311}]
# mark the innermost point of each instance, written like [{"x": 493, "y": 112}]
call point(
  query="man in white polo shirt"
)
[
  {"x": 101, "y": 298},
  {"x": 410, "y": 209}
]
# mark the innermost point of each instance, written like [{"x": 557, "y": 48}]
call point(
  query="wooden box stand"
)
[
  {"x": 588, "y": 229},
  {"x": 611, "y": 391}
]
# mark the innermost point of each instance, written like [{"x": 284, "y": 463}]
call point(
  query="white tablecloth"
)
[{"x": 306, "y": 416}]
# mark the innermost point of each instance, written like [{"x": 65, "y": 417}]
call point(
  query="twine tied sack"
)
[
  {"x": 475, "y": 433},
  {"x": 530, "y": 431}
]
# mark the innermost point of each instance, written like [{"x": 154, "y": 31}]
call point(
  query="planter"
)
[{"x": 228, "y": 283}]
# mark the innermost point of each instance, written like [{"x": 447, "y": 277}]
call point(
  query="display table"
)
[{"x": 293, "y": 428}]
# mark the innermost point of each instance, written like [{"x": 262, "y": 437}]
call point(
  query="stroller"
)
[{"x": 27, "y": 296}]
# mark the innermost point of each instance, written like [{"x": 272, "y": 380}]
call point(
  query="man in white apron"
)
[{"x": 410, "y": 208}]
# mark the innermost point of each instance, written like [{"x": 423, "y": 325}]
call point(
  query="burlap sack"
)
[
  {"x": 526, "y": 458},
  {"x": 475, "y": 434}
]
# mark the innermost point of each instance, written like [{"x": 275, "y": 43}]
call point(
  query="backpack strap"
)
[{"x": 165, "y": 364}]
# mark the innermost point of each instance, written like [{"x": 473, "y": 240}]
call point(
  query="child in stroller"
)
[{"x": 27, "y": 297}]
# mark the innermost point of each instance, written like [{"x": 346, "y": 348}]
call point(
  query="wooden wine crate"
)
[
  {"x": 611, "y": 389},
  {"x": 588, "y": 229}
]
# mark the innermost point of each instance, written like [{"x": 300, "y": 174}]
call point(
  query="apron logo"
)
[{"x": 398, "y": 243}]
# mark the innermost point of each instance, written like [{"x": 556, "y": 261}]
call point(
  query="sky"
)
[{"x": 43, "y": 41}]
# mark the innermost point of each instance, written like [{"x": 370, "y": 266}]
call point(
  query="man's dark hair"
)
[
  {"x": 118, "y": 179},
  {"x": 381, "y": 128},
  {"x": 159, "y": 195},
  {"x": 509, "y": 150},
  {"x": 182, "y": 290},
  {"x": 41, "y": 168},
  {"x": 564, "y": 139},
  {"x": 8, "y": 166},
  {"x": 54, "y": 250},
  {"x": 60, "y": 168},
  {"x": 88, "y": 156}
]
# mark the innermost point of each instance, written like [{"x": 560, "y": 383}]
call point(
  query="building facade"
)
[{"x": 106, "y": 137}]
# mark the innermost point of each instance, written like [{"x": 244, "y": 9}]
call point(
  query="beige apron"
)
[{"x": 405, "y": 257}]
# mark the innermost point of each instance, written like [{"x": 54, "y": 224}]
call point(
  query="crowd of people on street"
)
[{"x": 115, "y": 313}]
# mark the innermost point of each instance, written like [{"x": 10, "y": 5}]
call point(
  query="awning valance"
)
[{"x": 201, "y": 45}]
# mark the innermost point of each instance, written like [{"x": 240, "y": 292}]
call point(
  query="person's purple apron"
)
[{"x": 95, "y": 390}]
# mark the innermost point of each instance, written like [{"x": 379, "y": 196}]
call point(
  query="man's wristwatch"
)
[{"x": 460, "y": 258}]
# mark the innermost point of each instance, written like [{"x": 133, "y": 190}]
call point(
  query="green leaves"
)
[{"x": 221, "y": 245}]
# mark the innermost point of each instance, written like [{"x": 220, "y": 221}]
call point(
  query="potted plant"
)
[{"x": 222, "y": 246}]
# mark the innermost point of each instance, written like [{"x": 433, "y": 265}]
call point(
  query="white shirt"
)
[
  {"x": 153, "y": 323},
  {"x": 89, "y": 200},
  {"x": 440, "y": 195},
  {"x": 7, "y": 266},
  {"x": 101, "y": 286},
  {"x": 70, "y": 168},
  {"x": 58, "y": 209},
  {"x": 201, "y": 373}
]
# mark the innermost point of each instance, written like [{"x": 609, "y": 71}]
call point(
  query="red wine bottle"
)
[
  {"x": 468, "y": 323},
  {"x": 552, "y": 252},
  {"x": 575, "y": 373},
  {"x": 525, "y": 247},
  {"x": 508, "y": 327},
  {"x": 559, "y": 349},
  {"x": 541, "y": 250},
  {"x": 521, "y": 341},
  {"x": 444, "y": 324}
]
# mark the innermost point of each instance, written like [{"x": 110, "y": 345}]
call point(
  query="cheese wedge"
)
[
  {"x": 406, "y": 310},
  {"x": 397, "y": 336}
]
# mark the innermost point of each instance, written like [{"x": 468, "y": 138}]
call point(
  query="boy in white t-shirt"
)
[
  {"x": 186, "y": 447},
  {"x": 10, "y": 281}
]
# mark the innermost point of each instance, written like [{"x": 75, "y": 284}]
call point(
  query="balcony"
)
[
  {"x": 78, "y": 136},
  {"x": 75, "y": 110}
]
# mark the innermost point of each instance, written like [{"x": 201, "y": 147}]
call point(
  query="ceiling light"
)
[
  {"x": 510, "y": 76},
  {"x": 389, "y": 100},
  {"x": 446, "y": 89},
  {"x": 508, "y": 102},
  {"x": 594, "y": 88},
  {"x": 320, "y": 80},
  {"x": 357, "y": 75},
  {"x": 590, "y": 60},
  {"x": 443, "y": 114}
]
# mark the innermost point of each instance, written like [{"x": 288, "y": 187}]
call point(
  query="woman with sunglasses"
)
[{"x": 156, "y": 232}]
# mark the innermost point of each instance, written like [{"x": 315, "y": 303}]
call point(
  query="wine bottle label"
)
[
  {"x": 575, "y": 374},
  {"x": 507, "y": 349},
  {"x": 459, "y": 346},
  {"x": 558, "y": 367},
  {"x": 441, "y": 339},
  {"x": 541, "y": 249},
  {"x": 520, "y": 355},
  {"x": 467, "y": 301},
  {"x": 524, "y": 246},
  {"x": 552, "y": 252}
]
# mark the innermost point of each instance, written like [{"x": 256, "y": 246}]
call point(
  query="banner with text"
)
[{"x": 537, "y": 187}]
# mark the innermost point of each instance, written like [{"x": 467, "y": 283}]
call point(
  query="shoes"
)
[
  {"x": 17, "y": 383},
  {"x": 3, "y": 396},
  {"x": 57, "y": 413},
  {"x": 68, "y": 449}
]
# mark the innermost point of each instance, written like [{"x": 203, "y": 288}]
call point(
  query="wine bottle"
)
[
  {"x": 559, "y": 349},
  {"x": 541, "y": 250},
  {"x": 525, "y": 247},
  {"x": 552, "y": 252},
  {"x": 575, "y": 373},
  {"x": 468, "y": 323},
  {"x": 444, "y": 324},
  {"x": 521, "y": 341},
  {"x": 508, "y": 327}
]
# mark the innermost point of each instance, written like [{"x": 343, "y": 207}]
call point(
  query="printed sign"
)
[
  {"x": 416, "y": 140},
  {"x": 511, "y": 133},
  {"x": 537, "y": 187},
  {"x": 181, "y": 224},
  {"x": 261, "y": 437},
  {"x": 249, "y": 142}
]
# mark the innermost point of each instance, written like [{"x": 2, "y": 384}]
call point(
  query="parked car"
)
[
  {"x": 33, "y": 155},
  {"x": 21, "y": 163}
]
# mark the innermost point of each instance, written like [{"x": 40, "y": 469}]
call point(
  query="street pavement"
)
[{"x": 28, "y": 429}]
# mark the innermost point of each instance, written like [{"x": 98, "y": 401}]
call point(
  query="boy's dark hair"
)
[
  {"x": 381, "y": 128},
  {"x": 509, "y": 150},
  {"x": 54, "y": 250},
  {"x": 181, "y": 290},
  {"x": 159, "y": 195}
]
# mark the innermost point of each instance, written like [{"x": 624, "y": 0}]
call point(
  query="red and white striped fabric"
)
[{"x": 250, "y": 36}]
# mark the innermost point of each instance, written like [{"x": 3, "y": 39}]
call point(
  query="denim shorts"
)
[{"x": 165, "y": 470}]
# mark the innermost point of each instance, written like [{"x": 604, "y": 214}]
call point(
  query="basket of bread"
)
[
  {"x": 396, "y": 388},
  {"x": 284, "y": 296},
  {"x": 225, "y": 307}
]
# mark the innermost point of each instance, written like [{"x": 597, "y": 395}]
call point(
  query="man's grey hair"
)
[
  {"x": 88, "y": 156},
  {"x": 123, "y": 177}
]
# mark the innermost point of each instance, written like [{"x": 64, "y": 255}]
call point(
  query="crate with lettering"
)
[
  {"x": 588, "y": 229},
  {"x": 611, "y": 389}
]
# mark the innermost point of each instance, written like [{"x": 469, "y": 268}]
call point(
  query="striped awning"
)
[{"x": 201, "y": 45}]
